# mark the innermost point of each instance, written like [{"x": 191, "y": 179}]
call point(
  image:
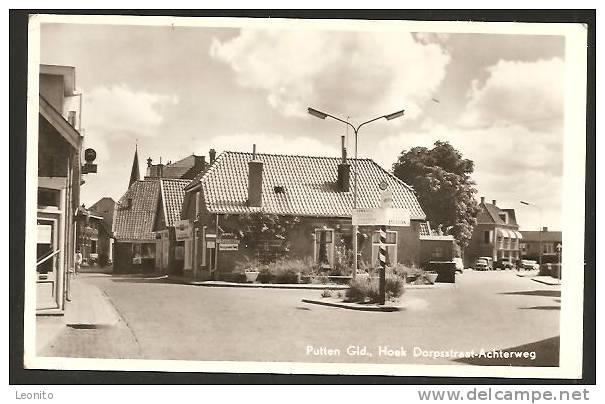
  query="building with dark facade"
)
[
  {"x": 317, "y": 191},
  {"x": 545, "y": 243},
  {"x": 59, "y": 180}
]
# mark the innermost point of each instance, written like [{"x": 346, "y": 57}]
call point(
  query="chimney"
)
[
  {"x": 149, "y": 160},
  {"x": 199, "y": 163},
  {"x": 482, "y": 199},
  {"x": 544, "y": 229},
  {"x": 493, "y": 201},
  {"x": 344, "y": 169},
  {"x": 212, "y": 154},
  {"x": 255, "y": 180}
]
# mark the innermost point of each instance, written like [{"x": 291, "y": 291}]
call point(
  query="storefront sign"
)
[
  {"x": 183, "y": 230},
  {"x": 210, "y": 244},
  {"x": 379, "y": 216}
]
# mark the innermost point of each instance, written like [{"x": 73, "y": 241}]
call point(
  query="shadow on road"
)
[
  {"x": 541, "y": 308},
  {"x": 545, "y": 293},
  {"x": 546, "y": 351}
]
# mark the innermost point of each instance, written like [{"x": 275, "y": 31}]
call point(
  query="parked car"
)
[
  {"x": 481, "y": 265},
  {"x": 490, "y": 262},
  {"x": 529, "y": 265},
  {"x": 505, "y": 263}
]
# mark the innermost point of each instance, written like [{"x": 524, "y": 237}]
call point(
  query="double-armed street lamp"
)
[
  {"x": 540, "y": 229},
  {"x": 323, "y": 115}
]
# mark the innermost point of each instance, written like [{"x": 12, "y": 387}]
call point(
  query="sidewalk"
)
[{"x": 88, "y": 308}]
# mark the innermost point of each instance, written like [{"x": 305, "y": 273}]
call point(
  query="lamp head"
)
[
  {"x": 394, "y": 115},
  {"x": 316, "y": 113}
]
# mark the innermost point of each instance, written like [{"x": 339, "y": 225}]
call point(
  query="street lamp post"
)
[
  {"x": 540, "y": 229},
  {"x": 323, "y": 115}
]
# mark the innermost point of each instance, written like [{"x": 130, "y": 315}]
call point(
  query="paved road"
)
[{"x": 485, "y": 310}]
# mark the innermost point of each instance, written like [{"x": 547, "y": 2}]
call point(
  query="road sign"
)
[{"x": 379, "y": 216}]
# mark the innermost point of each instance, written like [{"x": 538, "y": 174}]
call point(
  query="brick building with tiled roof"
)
[
  {"x": 142, "y": 224},
  {"x": 495, "y": 235},
  {"x": 316, "y": 190}
]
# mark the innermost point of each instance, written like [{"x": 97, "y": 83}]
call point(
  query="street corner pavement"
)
[{"x": 90, "y": 328}]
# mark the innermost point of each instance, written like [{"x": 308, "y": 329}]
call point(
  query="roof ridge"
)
[{"x": 297, "y": 155}]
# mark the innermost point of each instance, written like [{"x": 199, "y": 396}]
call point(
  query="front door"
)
[{"x": 48, "y": 256}]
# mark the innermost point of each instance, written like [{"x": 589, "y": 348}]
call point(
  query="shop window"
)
[
  {"x": 141, "y": 251},
  {"x": 391, "y": 248},
  {"x": 324, "y": 247}
]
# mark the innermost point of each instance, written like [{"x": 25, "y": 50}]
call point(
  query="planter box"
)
[
  {"x": 432, "y": 277},
  {"x": 251, "y": 276},
  {"x": 446, "y": 271}
]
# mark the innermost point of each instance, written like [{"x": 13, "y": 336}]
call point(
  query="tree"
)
[{"x": 442, "y": 181}]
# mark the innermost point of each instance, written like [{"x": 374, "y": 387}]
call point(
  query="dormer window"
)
[
  {"x": 279, "y": 189},
  {"x": 503, "y": 216}
]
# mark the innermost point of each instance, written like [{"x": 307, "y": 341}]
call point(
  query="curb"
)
[
  {"x": 554, "y": 283},
  {"x": 354, "y": 306},
  {"x": 268, "y": 285}
]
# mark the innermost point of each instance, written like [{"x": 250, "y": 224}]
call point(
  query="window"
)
[
  {"x": 391, "y": 247},
  {"x": 93, "y": 246},
  {"x": 503, "y": 216},
  {"x": 324, "y": 247},
  {"x": 486, "y": 237},
  {"x": 48, "y": 197},
  {"x": 547, "y": 249}
]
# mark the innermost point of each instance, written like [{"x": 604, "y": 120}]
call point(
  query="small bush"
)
[
  {"x": 367, "y": 290},
  {"x": 326, "y": 293}
]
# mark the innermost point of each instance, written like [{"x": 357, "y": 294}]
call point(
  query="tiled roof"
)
[
  {"x": 135, "y": 222},
  {"x": 184, "y": 168},
  {"x": 173, "y": 193},
  {"x": 491, "y": 214},
  {"x": 425, "y": 229},
  {"x": 547, "y": 236},
  {"x": 308, "y": 186}
]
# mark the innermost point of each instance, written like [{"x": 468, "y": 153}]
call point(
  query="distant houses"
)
[
  {"x": 547, "y": 243},
  {"x": 496, "y": 234},
  {"x": 144, "y": 218}
]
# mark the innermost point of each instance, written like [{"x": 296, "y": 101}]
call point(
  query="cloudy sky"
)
[{"x": 182, "y": 90}]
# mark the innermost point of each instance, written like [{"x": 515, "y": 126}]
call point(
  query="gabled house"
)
[
  {"x": 145, "y": 216},
  {"x": 495, "y": 235},
  {"x": 169, "y": 251},
  {"x": 318, "y": 191},
  {"x": 133, "y": 225}
]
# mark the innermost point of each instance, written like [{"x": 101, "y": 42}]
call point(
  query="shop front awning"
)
[
  {"x": 507, "y": 233},
  {"x": 518, "y": 234}
]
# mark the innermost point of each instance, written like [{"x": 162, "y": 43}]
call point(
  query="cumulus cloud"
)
[
  {"x": 512, "y": 128},
  {"x": 119, "y": 110},
  {"x": 523, "y": 93},
  {"x": 358, "y": 74},
  {"x": 273, "y": 144}
]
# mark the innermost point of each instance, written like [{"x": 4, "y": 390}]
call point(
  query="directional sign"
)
[{"x": 379, "y": 216}]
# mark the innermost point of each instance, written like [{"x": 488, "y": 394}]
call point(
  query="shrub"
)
[
  {"x": 367, "y": 290},
  {"x": 326, "y": 293}
]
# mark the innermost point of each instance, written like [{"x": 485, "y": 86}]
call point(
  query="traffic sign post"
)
[{"x": 382, "y": 256}]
